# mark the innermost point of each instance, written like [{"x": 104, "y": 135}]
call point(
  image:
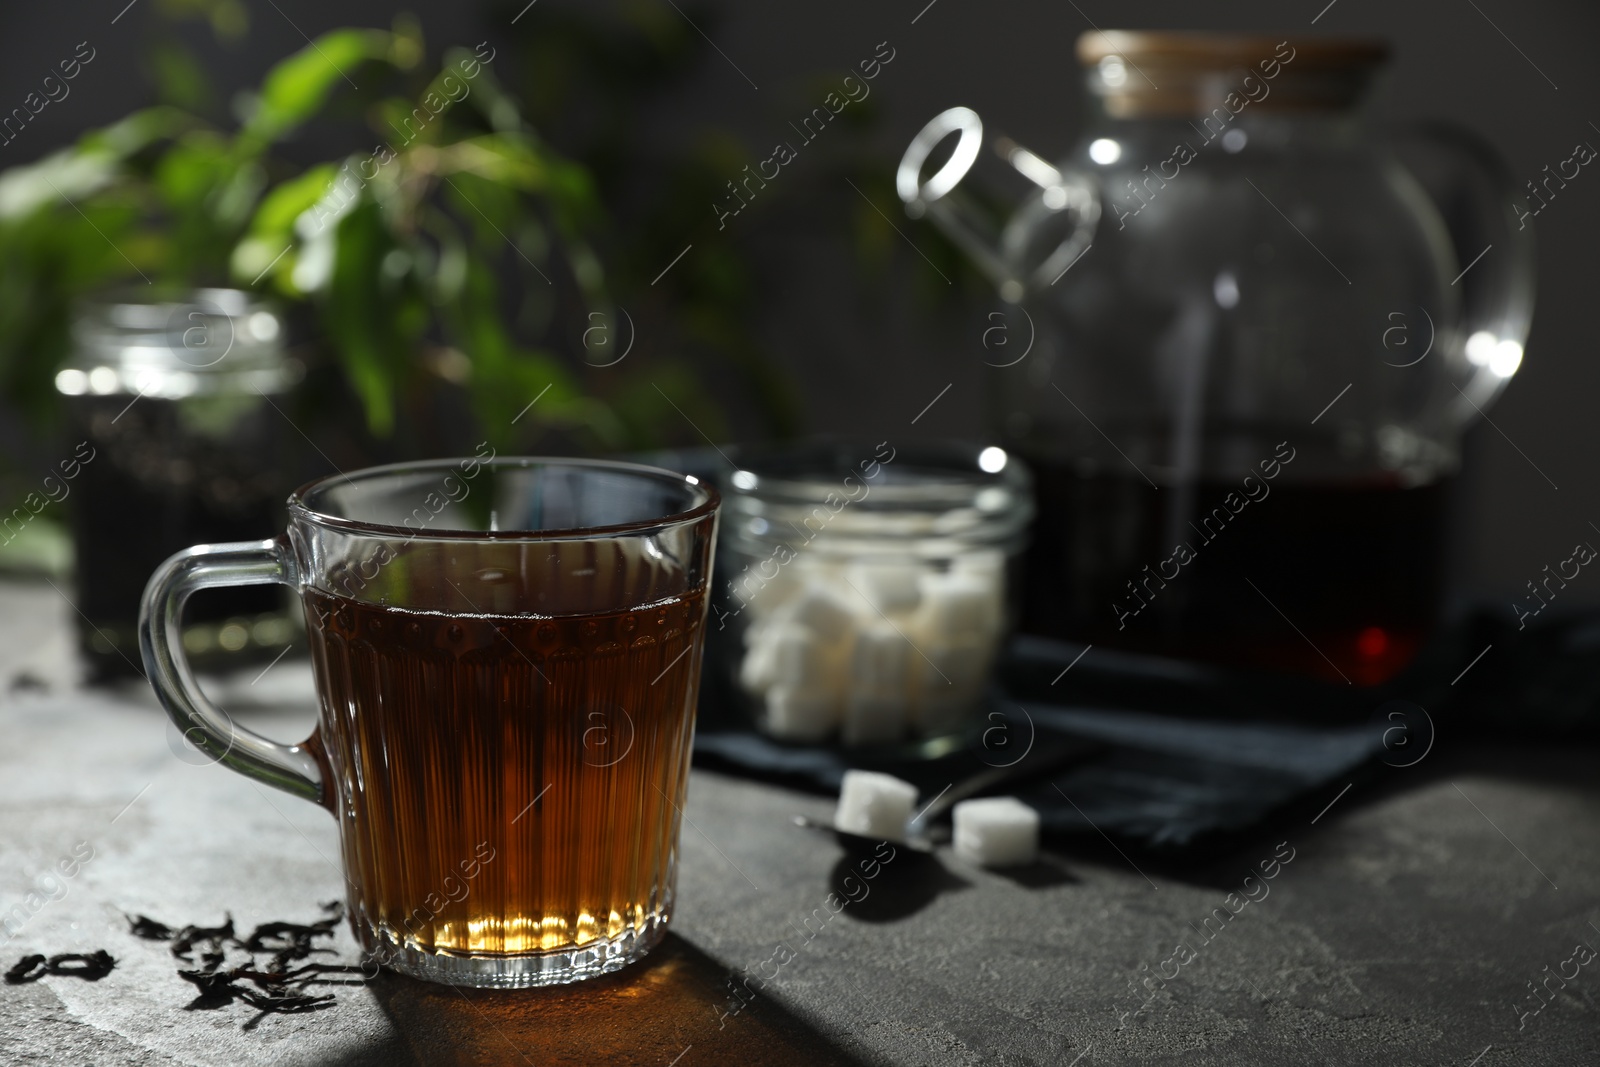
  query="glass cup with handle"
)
[{"x": 507, "y": 656}]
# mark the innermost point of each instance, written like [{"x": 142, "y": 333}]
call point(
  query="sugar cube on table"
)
[
  {"x": 792, "y": 715},
  {"x": 996, "y": 832},
  {"x": 874, "y": 804}
]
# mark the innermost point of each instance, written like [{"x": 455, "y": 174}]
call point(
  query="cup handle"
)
[{"x": 293, "y": 768}]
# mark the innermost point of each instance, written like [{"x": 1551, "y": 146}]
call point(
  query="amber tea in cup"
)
[{"x": 507, "y": 654}]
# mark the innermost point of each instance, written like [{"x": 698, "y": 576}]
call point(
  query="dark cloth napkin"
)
[{"x": 1190, "y": 755}]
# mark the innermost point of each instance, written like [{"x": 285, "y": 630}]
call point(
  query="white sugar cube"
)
[
  {"x": 960, "y": 604},
  {"x": 996, "y": 832},
  {"x": 818, "y": 606},
  {"x": 875, "y": 805},
  {"x": 887, "y": 587},
  {"x": 878, "y": 689},
  {"x": 764, "y": 600},
  {"x": 800, "y": 716},
  {"x": 790, "y": 655},
  {"x": 800, "y": 658},
  {"x": 880, "y": 661},
  {"x": 756, "y": 666}
]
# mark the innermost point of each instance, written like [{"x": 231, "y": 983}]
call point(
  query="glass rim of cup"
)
[{"x": 707, "y": 500}]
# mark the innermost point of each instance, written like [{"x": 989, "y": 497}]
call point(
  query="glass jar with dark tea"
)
[
  {"x": 174, "y": 397},
  {"x": 1242, "y": 338},
  {"x": 507, "y": 653}
]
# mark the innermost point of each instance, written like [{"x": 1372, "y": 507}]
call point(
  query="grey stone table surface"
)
[{"x": 1405, "y": 929}]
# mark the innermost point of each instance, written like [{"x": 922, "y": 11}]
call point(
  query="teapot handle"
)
[
  {"x": 1477, "y": 199},
  {"x": 1024, "y": 251}
]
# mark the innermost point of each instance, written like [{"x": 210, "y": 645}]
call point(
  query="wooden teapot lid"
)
[{"x": 1166, "y": 73}]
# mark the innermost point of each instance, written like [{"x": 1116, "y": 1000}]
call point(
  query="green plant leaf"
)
[
  {"x": 289, "y": 199},
  {"x": 138, "y": 131},
  {"x": 272, "y": 235},
  {"x": 298, "y": 86},
  {"x": 368, "y": 317},
  {"x": 520, "y": 161},
  {"x": 58, "y": 179},
  {"x": 190, "y": 169},
  {"x": 236, "y": 196}
]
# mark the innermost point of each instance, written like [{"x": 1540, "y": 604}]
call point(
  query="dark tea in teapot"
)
[{"x": 1340, "y": 580}]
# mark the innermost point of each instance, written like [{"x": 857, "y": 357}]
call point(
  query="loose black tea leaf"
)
[
  {"x": 216, "y": 989},
  {"x": 273, "y": 989},
  {"x": 291, "y": 942},
  {"x": 185, "y": 939},
  {"x": 147, "y": 928},
  {"x": 294, "y": 933},
  {"x": 24, "y": 970},
  {"x": 209, "y": 981},
  {"x": 91, "y": 967},
  {"x": 281, "y": 934}
]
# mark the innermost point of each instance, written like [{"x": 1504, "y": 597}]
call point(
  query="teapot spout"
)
[{"x": 1018, "y": 250}]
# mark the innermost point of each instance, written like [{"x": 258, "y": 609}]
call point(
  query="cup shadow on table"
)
[{"x": 675, "y": 999}]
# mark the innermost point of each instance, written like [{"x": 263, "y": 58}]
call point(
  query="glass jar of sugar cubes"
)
[{"x": 864, "y": 591}]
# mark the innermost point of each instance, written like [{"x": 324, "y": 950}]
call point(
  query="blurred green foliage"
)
[
  {"x": 458, "y": 246},
  {"x": 590, "y": 79},
  {"x": 455, "y": 247},
  {"x": 606, "y": 81}
]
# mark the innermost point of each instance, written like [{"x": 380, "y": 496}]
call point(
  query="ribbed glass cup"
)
[{"x": 507, "y": 653}]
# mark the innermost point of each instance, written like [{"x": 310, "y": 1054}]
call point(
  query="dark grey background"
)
[{"x": 1526, "y": 80}]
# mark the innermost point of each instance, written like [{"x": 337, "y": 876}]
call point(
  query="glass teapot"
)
[{"x": 1242, "y": 339}]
